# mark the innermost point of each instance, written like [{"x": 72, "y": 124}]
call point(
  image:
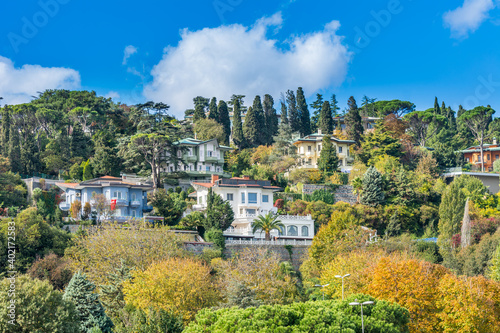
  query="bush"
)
[
  {"x": 216, "y": 236},
  {"x": 53, "y": 269}
]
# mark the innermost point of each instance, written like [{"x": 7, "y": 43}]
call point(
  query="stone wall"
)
[
  {"x": 344, "y": 193},
  {"x": 299, "y": 252}
]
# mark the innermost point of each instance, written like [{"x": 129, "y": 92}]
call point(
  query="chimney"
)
[
  {"x": 246, "y": 177},
  {"x": 494, "y": 141},
  {"x": 319, "y": 131},
  {"x": 215, "y": 178}
]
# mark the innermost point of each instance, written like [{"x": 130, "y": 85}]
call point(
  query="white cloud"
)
[
  {"x": 234, "y": 59},
  {"x": 468, "y": 17},
  {"x": 129, "y": 50},
  {"x": 17, "y": 85},
  {"x": 113, "y": 94}
]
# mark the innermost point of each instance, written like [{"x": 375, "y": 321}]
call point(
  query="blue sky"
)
[{"x": 409, "y": 50}]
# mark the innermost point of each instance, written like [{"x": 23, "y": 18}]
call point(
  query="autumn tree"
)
[
  {"x": 477, "y": 120},
  {"x": 76, "y": 208}
]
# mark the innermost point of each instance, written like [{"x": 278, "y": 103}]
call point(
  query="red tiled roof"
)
[
  {"x": 204, "y": 184},
  {"x": 70, "y": 185},
  {"x": 109, "y": 177}
]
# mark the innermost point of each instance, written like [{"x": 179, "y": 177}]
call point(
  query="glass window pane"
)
[{"x": 252, "y": 198}]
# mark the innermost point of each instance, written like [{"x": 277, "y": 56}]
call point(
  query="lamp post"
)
[
  {"x": 364, "y": 303},
  {"x": 322, "y": 286},
  {"x": 342, "y": 277}
]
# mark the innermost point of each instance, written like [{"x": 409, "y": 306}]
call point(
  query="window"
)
[
  {"x": 488, "y": 156},
  {"x": 229, "y": 197},
  {"x": 496, "y": 157},
  {"x": 479, "y": 158},
  {"x": 292, "y": 231},
  {"x": 265, "y": 198},
  {"x": 468, "y": 160},
  {"x": 207, "y": 168},
  {"x": 210, "y": 153},
  {"x": 252, "y": 198},
  {"x": 305, "y": 231},
  {"x": 117, "y": 195},
  {"x": 319, "y": 147},
  {"x": 132, "y": 197},
  {"x": 281, "y": 231},
  {"x": 190, "y": 152},
  {"x": 251, "y": 211},
  {"x": 134, "y": 213},
  {"x": 309, "y": 149},
  {"x": 200, "y": 168},
  {"x": 340, "y": 150},
  {"x": 242, "y": 197}
]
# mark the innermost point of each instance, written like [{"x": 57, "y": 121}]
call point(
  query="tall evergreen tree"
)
[
  {"x": 293, "y": 112},
  {"x": 283, "y": 139},
  {"x": 89, "y": 309},
  {"x": 106, "y": 160},
  {"x": 328, "y": 162},
  {"x": 79, "y": 143},
  {"x": 261, "y": 120},
  {"x": 325, "y": 123},
  {"x": 305, "y": 117},
  {"x": 224, "y": 120},
  {"x": 437, "y": 109},
  {"x": 373, "y": 184},
  {"x": 14, "y": 150},
  {"x": 220, "y": 215},
  {"x": 237, "y": 133},
  {"x": 271, "y": 118},
  {"x": 200, "y": 103},
  {"x": 5, "y": 130},
  {"x": 251, "y": 128},
  {"x": 30, "y": 157},
  {"x": 213, "y": 112},
  {"x": 352, "y": 119},
  {"x": 316, "y": 105},
  {"x": 334, "y": 105},
  {"x": 284, "y": 113}
]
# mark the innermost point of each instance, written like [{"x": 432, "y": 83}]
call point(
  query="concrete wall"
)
[{"x": 299, "y": 252}]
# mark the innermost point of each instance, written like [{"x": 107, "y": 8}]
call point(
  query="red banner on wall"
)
[{"x": 113, "y": 204}]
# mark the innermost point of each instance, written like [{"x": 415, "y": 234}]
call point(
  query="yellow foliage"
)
[
  {"x": 386, "y": 164},
  {"x": 177, "y": 285},
  {"x": 358, "y": 170}
]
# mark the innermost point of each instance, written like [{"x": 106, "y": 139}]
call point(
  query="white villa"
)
[{"x": 249, "y": 199}]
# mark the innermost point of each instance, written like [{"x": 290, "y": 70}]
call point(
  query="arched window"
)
[
  {"x": 282, "y": 231},
  {"x": 292, "y": 231},
  {"x": 305, "y": 231}
]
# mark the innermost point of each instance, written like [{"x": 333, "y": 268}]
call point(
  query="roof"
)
[
  {"x": 103, "y": 181},
  {"x": 316, "y": 137},
  {"x": 66, "y": 185},
  {"x": 196, "y": 142},
  {"x": 239, "y": 182},
  {"x": 477, "y": 149}
]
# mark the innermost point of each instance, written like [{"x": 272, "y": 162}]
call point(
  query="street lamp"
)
[
  {"x": 322, "y": 286},
  {"x": 342, "y": 277},
  {"x": 364, "y": 303}
]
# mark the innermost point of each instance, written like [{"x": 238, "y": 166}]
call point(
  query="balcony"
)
[
  {"x": 208, "y": 173},
  {"x": 121, "y": 202},
  {"x": 147, "y": 208},
  {"x": 214, "y": 159},
  {"x": 192, "y": 158},
  {"x": 135, "y": 203},
  {"x": 238, "y": 232},
  {"x": 64, "y": 206},
  {"x": 199, "y": 207}
]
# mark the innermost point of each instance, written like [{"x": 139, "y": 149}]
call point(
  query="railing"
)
[
  {"x": 294, "y": 217},
  {"x": 120, "y": 202},
  {"x": 198, "y": 207},
  {"x": 64, "y": 206},
  {"x": 135, "y": 203},
  {"x": 239, "y": 231},
  {"x": 252, "y": 241}
]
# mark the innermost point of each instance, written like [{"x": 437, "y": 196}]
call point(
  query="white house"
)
[{"x": 249, "y": 199}]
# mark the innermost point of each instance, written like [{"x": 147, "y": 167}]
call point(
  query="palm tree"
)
[
  {"x": 267, "y": 223},
  {"x": 357, "y": 185}
]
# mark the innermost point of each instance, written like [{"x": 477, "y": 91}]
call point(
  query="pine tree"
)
[
  {"x": 283, "y": 139},
  {"x": 238, "y": 136},
  {"x": 112, "y": 296},
  {"x": 334, "y": 105},
  {"x": 5, "y": 131},
  {"x": 328, "y": 162},
  {"x": 79, "y": 142},
  {"x": 316, "y": 105},
  {"x": 251, "y": 128},
  {"x": 271, "y": 119},
  {"x": 200, "y": 103},
  {"x": 213, "y": 113},
  {"x": 224, "y": 120},
  {"x": 373, "y": 184},
  {"x": 106, "y": 160},
  {"x": 14, "y": 150},
  {"x": 352, "y": 119},
  {"x": 293, "y": 112},
  {"x": 220, "y": 215},
  {"x": 325, "y": 123},
  {"x": 90, "y": 311},
  {"x": 305, "y": 117},
  {"x": 261, "y": 121}
]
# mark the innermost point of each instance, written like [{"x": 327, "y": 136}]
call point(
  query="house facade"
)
[
  {"x": 249, "y": 199},
  {"x": 491, "y": 153},
  {"x": 309, "y": 150},
  {"x": 200, "y": 159},
  {"x": 129, "y": 199},
  {"x": 367, "y": 122}
]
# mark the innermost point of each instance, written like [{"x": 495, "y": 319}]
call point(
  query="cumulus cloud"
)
[
  {"x": 129, "y": 51},
  {"x": 17, "y": 85},
  {"x": 234, "y": 59},
  {"x": 468, "y": 17},
  {"x": 113, "y": 94}
]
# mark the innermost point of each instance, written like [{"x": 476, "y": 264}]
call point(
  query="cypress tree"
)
[
  {"x": 90, "y": 311},
  {"x": 199, "y": 108},
  {"x": 284, "y": 113},
  {"x": 305, "y": 117},
  {"x": 30, "y": 157},
  {"x": 334, "y": 105},
  {"x": 213, "y": 113},
  {"x": 271, "y": 119},
  {"x": 238, "y": 137},
  {"x": 352, "y": 119},
  {"x": 5, "y": 130},
  {"x": 437, "y": 110},
  {"x": 79, "y": 142},
  {"x": 224, "y": 120},
  {"x": 293, "y": 112},
  {"x": 373, "y": 193},
  {"x": 261, "y": 120},
  {"x": 328, "y": 162},
  {"x": 325, "y": 123},
  {"x": 316, "y": 105},
  {"x": 14, "y": 150},
  {"x": 251, "y": 128}
]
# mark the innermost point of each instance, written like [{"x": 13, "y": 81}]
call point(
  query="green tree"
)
[
  {"x": 315, "y": 119},
  {"x": 224, "y": 121},
  {"x": 379, "y": 143},
  {"x": 251, "y": 128},
  {"x": 328, "y": 162},
  {"x": 284, "y": 111},
  {"x": 90, "y": 312},
  {"x": 334, "y": 105},
  {"x": 271, "y": 119},
  {"x": 325, "y": 123},
  {"x": 14, "y": 150},
  {"x": 152, "y": 321},
  {"x": 166, "y": 206},
  {"x": 352, "y": 119},
  {"x": 293, "y": 112},
  {"x": 213, "y": 112},
  {"x": 477, "y": 120},
  {"x": 200, "y": 103},
  {"x": 283, "y": 139},
  {"x": 373, "y": 185},
  {"x": 494, "y": 270},
  {"x": 237, "y": 133},
  {"x": 111, "y": 294},
  {"x": 30, "y": 157},
  {"x": 38, "y": 308},
  {"x": 80, "y": 143},
  {"x": 423, "y": 125},
  {"x": 88, "y": 173},
  {"x": 106, "y": 160},
  {"x": 6, "y": 124},
  {"x": 207, "y": 129},
  {"x": 219, "y": 214},
  {"x": 13, "y": 190},
  {"x": 267, "y": 223},
  {"x": 305, "y": 117},
  {"x": 261, "y": 118}
]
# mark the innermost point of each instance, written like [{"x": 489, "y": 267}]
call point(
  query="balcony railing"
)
[
  {"x": 238, "y": 231},
  {"x": 121, "y": 202},
  {"x": 306, "y": 242},
  {"x": 199, "y": 207},
  {"x": 135, "y": 203},
  {"x": 64, "y": 206}
]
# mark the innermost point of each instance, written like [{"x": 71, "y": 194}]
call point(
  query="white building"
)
[{"x": 249, "y": 199}]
